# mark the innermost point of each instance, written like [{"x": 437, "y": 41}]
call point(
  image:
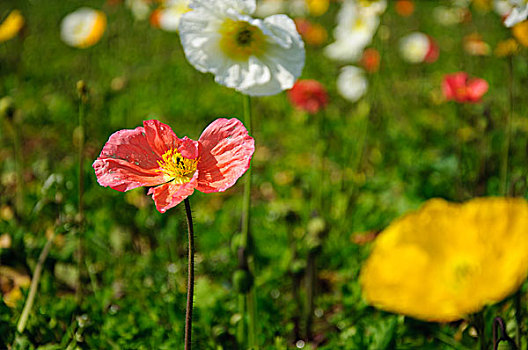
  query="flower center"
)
[
  {"x": 177, "y": 168},
  {"x": 241, "y": 40}
]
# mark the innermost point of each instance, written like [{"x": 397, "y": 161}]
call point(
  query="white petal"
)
[
  {"x": 221, "y": 7},
  {"x": 517, "y": 15},
  {"x": 351, "y": 83},
  {"x": 414, "y": 47}
]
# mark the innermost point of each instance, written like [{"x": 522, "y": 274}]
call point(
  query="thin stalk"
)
[
  {"x": 83, "y": 97},
  {"x": 19, "y": 199},
  {"x": 310, "y": 293},
  {"x": 34, "y": 285},
  {"x": 190, "y": 277},
  {"x": 508, "y": 128},
  {"x": 246, "y": 205},
  {"x": 242, "y": 329}
]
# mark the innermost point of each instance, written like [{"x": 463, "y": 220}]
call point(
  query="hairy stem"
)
[
  {"x": 246, "y": 239},
  {"x": 190, "y": 277}
]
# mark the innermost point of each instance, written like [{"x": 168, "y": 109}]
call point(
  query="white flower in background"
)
[
  {"x": 352, "y": 83},
  {"x": 417, "y": 48},
  {"x": 298, "y": 8},
  {"x": 518, "y": 14},
  {"x": 168, "y": 17},
  {"x": 373, "y": 7},
  {"x": 83, "y": 27},
  {"x": 355, "y": 30},
  {"x": 448, "y": 16},
  {"x": 267, "y": 8},
  {"x": 502, "y": 7},
  {"x": 256, "y": 57},
  {"x": 140, "y": 8}
]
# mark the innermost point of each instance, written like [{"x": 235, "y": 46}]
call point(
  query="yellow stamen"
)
[
  {"x": 177, "y": 168},
  {"x": 241, "y": 40}
]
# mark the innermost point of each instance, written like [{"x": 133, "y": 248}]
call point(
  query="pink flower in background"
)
[
  {"x": 308, "y": 95},
  {"x": 458, "y": 87},
  {"x": 153, "y": 156}
]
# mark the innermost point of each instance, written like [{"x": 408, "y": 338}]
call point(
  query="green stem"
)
[
  {"x": 241, "y": 329},
  {"x": 34, "y": 285},
  {"x": 517, "y": 302},
  {"x": 19, "y": 199},
  {"x": 246, "y": 240},
  {"x": 508, "y": 131},
  {"x": 190, "y": 277},
  {"x": 310, "y": 294},
  {"x": 81, "y": 88}
]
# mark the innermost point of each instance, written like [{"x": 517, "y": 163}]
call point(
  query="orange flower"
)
[
  {"x": 404, "y": 8},
  {"x": 371, "y": 60},
  {"x": 312, "y": 33}
]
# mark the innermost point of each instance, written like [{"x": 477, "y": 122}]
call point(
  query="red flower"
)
[
  {"x": 458, "y": 87},
  {"x": 433, "y": 52},
  {"x": 153, "y": 155},
  {"x": 371, "y": 60},
  {"x": 308, "y": 95}
]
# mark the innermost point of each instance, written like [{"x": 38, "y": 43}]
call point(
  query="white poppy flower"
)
[
  {"x": 355, "y": 30},
  {"x": 417, "y": 48},
  {"x": 352, "y": 83},
  {"x": 502, "y": 7},
  {"x": 518, "y": 14},
  {"x": 83, "y": 27},
  {"x": 170, "y": 15},
  {"x": 140, "y": 9},
  {"x": 270, "y": 7},
  {"x": 256, "y": 57},
  {"x": 373, "y": 7}
]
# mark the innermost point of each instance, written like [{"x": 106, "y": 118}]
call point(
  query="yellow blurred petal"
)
[
  {"x": 446, "y": 260},
  {"x": 317, "y": 7},
  {"x": 520, "y": 32},
  {"x": 506, "y": 48},
  {"x": 11, "y": 26},
  {"x": 97, "y": 31}
]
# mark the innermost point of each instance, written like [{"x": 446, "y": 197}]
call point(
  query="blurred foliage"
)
[{"x": 386, "y": 154}]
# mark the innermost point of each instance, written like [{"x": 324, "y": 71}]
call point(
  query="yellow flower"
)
[
  {"x": 507, "y": 47},
  {"x": 317, "y": 7},
  {"x": 446, "y": 260},
  {"x": 520, "y": 32},
  {"x": 11, "y": 26}
]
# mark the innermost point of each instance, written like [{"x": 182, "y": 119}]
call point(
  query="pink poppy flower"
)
[
  {"x": 153, "y": 156},
  {"x": 308, "y": 95},
  {"x": 458, "y": 87}
]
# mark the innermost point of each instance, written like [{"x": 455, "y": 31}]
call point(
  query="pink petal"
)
[
  {"x": 170, "y": 194},
  {"x": 160, "y": 137},
  {"x": 127, "y": 162},
  {"x": 226, "y": 153},
  {"x": 189, "y": 148},
  {"x": 476, "y": 89},
  {"x": 452, "y": 83}
]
